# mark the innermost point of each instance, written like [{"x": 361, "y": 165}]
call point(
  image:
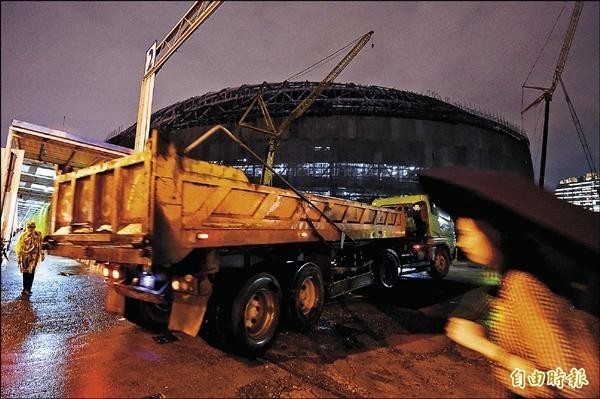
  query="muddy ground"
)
[{"x": 61, "y": 343}]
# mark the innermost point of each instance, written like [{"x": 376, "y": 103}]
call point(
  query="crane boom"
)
[
  {"x": 566, "y": 47},
  {"x": 562, "y": 57},
  {"x": 325, "y": 83},
  {"x": 547, "y": 93},
  {"x": 304, "y": 105},
  {"x": 157, "y": 55}
]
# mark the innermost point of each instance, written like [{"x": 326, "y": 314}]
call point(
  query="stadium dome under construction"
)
[{"x": 356, "y": 142}]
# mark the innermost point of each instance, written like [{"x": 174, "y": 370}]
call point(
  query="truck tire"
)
[
  {"x": 148, "y": 315},
  {"x": 441, "y": 263},
  {"x": 304, "y": 296},
  {"x": 386, "y": 270},
  {"x": 255, "y": 313}
]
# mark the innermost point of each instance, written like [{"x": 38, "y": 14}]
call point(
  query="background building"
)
[
  {"x": 356, "y": 142},
  {"x": 582, "y": 191}
]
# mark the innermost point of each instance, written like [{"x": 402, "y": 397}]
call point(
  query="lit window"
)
[{"x": 45, "y": 172}]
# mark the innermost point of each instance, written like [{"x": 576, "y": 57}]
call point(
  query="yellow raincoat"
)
[{"x": 29, "y": 251}]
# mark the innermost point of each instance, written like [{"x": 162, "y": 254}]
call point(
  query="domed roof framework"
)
[{"x": 228, "y": 105}]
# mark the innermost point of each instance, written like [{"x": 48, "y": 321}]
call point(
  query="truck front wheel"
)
[
  {"x": 255, "y": 313},
  {"x": 386, "y": 269},
  {"x": 441, "y": 263}
]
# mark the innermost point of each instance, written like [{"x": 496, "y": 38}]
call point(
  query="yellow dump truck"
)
[
  {"x": 431, "y": 230},
  {"x": 186, "y": 244}
]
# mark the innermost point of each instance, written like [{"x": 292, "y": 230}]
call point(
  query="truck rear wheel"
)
[
  {"x": 305, "y": 296},
  {"x": 255, "y": 313},
  {"x": 441, "y": 263},
  {"x": 386, "y": 269}
]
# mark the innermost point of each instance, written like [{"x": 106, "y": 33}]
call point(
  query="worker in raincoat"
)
[
  {"x": 29, "y": 255},
  {"x": 542, "y": 328}
]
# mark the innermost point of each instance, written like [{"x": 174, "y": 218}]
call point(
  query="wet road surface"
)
[{"x": 61, "y": 343}]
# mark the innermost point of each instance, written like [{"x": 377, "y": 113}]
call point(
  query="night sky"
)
[{"x": 77, "y": 66}]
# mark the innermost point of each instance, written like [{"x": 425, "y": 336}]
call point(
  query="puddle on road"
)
[
  {"x": 73, "y": 270},
  {"x": 347, "y": 335},
  {"x": 38, "y": 368}
]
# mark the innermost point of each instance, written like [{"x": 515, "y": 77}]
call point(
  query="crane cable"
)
[
  {"x": 538, "y": 57},
  {"x": 586, "y": 149},
  {"x": 323, "y": 61}
]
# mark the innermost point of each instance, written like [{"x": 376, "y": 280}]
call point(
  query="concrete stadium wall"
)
[{"x": 374, "y": 140}]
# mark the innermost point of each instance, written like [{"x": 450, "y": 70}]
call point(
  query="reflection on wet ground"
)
[
  {"x": 66, "y": 302},
  {"x": 61, "y": 343}
]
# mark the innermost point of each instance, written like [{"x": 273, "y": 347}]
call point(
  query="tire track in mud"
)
[
  {"x": 329, "y": 341},
  {"x": 313, "y": 376}
]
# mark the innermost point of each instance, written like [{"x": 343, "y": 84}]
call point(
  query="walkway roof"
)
[{"x": 60, "y": 148}]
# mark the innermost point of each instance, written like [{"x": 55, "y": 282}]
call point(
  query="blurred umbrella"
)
[{"x": 552, "y": 239}]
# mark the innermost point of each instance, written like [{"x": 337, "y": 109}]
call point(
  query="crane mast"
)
[{"x": 548, "y": 92}]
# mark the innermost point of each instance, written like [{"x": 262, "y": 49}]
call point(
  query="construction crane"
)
[
  {"x": 158, "y": 54},
  {"x": 548, "y": 92},
  {"x": 273, "y": 134}
]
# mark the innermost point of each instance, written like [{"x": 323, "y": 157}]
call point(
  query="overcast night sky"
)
[{"x": 83, "y": 61}]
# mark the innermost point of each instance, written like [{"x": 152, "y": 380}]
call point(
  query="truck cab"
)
[{"x": 431, "y": 229}]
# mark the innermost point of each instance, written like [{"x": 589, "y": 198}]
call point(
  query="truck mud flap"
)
[
  {"x": 116, "y": 293},
  {"x": 187, "y": 311},
  {"x": 115, "y": 302}
]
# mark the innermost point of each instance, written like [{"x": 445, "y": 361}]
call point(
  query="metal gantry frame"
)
[{"x": 158, "y": 54}]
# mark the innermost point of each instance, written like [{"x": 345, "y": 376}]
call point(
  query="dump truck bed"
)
[{"x": 156, "y": 206}]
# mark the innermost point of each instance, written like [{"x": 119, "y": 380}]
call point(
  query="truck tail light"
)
[
  {"x": 112, "y": 271},
  {"x": 187, "y": 284}
]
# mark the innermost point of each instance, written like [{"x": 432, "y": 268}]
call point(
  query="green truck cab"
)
[{"x": 432, "y": 232}]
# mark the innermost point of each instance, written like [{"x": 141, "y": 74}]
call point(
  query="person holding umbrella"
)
[{"x": 542, "y": 333}]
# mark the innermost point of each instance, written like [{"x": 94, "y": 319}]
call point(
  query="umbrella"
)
[{"x": 552, "y": 239}]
